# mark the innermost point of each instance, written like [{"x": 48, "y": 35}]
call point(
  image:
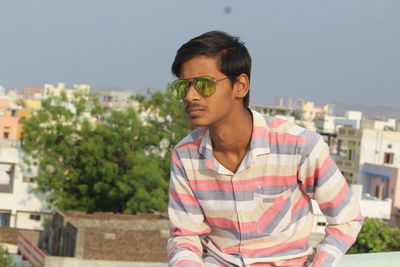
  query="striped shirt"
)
[{"x": 261, "y": 215}]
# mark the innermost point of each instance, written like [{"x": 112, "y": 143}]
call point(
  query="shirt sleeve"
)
[
  {"x": 321, "y": 180},
  {"x": 186, "y": 218}
]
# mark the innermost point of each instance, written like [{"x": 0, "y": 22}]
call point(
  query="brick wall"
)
[
  {"x": 126, "y": 245},
  {"x": 10, "y": 235}
]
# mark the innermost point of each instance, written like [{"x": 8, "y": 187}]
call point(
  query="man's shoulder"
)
[
  {"x": 283, "y": 126},
  {"x": 283, "y": 131}
]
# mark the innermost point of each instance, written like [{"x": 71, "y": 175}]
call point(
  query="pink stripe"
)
[
  {"x": 248, "y": 184},
  {"x": 209, "y": 164},
  {"x": 211, "y": 185},
  {"x": 302, "y": 202},
  {"x": 184, "y": 198},
  {"x": 285, "y": 138},
  {"x": 189, "y": 246},
  {"x": 319, "y": 258},
  {"x": 176, "y": 161},
  {"x": 189, "y": 262},
  {"x": 276, "y": 123},
  {"x": 360, "y": 217},
  {"x": 268, "y": 251},
  {"x": 318, "y": 172},
  {"x": 269, "y": 215},
  {"x": 259, "y": 132},
  {"x": 244, "y": 227},
  {"x": 182, "y": 232},
  {"x": 191, "y": 145},
  {"x": 223, "y": 222},
  {"x": 297, "y": 262},
  {"x": 337, "y": 199},
  {"x": 349, "y": 240},
  {"x": 247, "y": 227}
]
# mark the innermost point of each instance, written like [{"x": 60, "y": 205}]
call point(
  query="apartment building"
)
[
  {"x": 116, "y": 99},
  {"x": 19, "y": 207}
]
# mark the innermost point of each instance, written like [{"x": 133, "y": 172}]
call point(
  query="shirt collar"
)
[{"x": 259, "y": 145}]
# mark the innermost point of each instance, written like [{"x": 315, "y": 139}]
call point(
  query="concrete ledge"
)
[
  {"x": 356, "y": 260},
  {"x": 371, "y": 259}
]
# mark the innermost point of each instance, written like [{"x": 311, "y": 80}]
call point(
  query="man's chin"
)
[{"x": 197, "y": 122}]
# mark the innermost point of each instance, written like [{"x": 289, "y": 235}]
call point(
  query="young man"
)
[{"x": 242, "y": 183}]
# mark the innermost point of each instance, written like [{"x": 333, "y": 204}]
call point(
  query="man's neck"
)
[{"x": 233, "y": 136}]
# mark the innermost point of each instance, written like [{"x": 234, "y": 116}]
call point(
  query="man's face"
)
[{"x": 206, "y": 110}]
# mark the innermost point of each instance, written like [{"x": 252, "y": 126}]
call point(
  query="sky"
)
[{"x": 324, "y": 51}]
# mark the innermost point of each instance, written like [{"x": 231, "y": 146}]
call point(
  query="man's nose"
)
[{"x": 191, "y": 94}]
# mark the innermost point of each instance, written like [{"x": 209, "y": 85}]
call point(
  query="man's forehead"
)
[{"x": 199, "y": 66}]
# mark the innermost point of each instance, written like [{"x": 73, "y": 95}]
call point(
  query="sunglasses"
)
[{"x": 204, "y": 85}]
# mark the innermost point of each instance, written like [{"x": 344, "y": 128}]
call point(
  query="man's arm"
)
[
  {"x": 322, "y": 181},
  {"x": 187, "y": 220}
]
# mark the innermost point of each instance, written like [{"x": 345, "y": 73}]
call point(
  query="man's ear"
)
[{"x": 241, "y": 86}]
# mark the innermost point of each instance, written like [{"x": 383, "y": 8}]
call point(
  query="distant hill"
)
[{"x": 369, "y": 111}]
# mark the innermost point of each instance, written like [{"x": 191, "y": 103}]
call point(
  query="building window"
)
[
  {"x": 388, "y": 158},
  {"x": 5, "y": 218},
  {"x": 6, "y": 135},
  {"x": 26, "y": 179},
  {"x": 350, "y": 155},
  {"x": 35, "y": 217}
]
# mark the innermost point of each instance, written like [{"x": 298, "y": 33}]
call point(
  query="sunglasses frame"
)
[{"x": 192, "y": 82}]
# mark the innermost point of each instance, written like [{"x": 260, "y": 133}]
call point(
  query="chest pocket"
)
[{"x": 272, "y": 213}]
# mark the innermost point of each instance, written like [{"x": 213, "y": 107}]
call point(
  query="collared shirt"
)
[{"x": 261, "y": 215}]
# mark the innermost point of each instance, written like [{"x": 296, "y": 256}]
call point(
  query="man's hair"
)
[{"x": 233, "y": 58}]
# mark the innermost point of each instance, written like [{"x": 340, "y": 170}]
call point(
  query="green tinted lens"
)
[
  {"x": 179, "y": 88},
  {"x": 205, "y": 85}
]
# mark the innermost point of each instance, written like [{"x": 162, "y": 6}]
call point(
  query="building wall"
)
[
  {"x": 379, "y": 209},
  {"x": 32, "y": 92},
  {"x": 4, "y": 104},
  {"x": 379, "y": 187},
  {"x": 31, "y": 104},
  {"x": 21, "y": 202},
  {"x": 394, "y": 190},
  {"x": 106, "y": 236},
  {"x": 120, "y": 244},
  {"x": 375, "y": 143},
  {"x": 9, "y": 126},
  {"x": 116, "y": 99},
  {"x": 22, "y": 114}
]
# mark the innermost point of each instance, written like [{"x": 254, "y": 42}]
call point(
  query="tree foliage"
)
[
  {"x": 6, "y": 260},
  {"x": 376, "y": 236},
  {"x": 118, "y": 163}
]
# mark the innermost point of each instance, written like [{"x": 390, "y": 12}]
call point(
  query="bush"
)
[
  {"x": 6, "y": 260},
  {"x": 376, "y": 236}
]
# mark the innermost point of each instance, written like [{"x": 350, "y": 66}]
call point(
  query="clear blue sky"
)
[{"x": 345, "y": 50}]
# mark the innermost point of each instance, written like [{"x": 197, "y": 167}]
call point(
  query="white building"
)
[
  {"x": 51, "y": 90},
  {"x": 331, "y": 124},
  {"x": 116, "y": 99},
  {"x": 19, "y": 207},
  {"x": 371, "y": 207},
  {"x": 379, "y": 125}
]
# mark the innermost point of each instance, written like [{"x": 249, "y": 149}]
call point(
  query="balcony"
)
[
  {"x": 347, "y": 165},
  {"x": 348, "y": 133}
]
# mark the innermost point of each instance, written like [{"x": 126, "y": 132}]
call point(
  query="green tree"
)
[
  {"x": 6, "y": 260},
  {"x": 376, "y": 236},
  {"x": 119, "y": 163}
]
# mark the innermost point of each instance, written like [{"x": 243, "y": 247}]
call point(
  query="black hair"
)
[{"x": 232, "y": 56}]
